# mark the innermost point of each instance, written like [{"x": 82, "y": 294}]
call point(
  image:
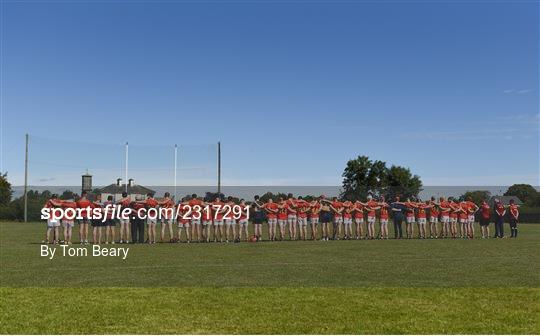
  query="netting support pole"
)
[
  {"x": 219, "y": 167},
  {"x": 126, "y": 182},
  {"x": 175, "y": 168},
  {"x": 26, "y": 181}
]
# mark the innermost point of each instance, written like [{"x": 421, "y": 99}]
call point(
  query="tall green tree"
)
[
  {"x": 5, "y": 190},
  {"x": 362, "y": 177},
  {"x": 525, "y": 192}
]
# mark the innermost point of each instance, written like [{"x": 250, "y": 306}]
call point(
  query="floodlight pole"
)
[
  {"x": 26, "y": 181},
  {"x": 127, "y": 151},
  {"x": 175, "y": 167},
  {"x": 219, "y": 168}
]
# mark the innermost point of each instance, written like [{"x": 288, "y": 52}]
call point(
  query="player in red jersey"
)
[
  {"x": 292, "y": 215},
  {"x": 53, "y": 223},
  {"x": 302, "y": 213},
  {"x": 218, "y": 209},
  {"x": 152, "y": 214},
  {"x": 371, "y": 208},
  {"x": 207, "y": 216},
  {"x": 85, "y": 205},
  {"x": 433, "y": 218},
  {"x": 383, "y": 218},
  {"x": 68, "y": 221},
  {"x": 337, "y": 208},
  {"x": 195, "y": 206},
  {"x": 97, "y": 223},
  {"x": 359, "y": 219},
  {"x": 230, "y": 221},
  {"x": 410, "y": 219},
  {"x": 471, "y": 209},
  {"x": 184, "y": 221},
  {"x": 455, "y": 210},
  {"x": 421, "y": 218},
  {"x": 314, "y": 216},
  {"x": 282, "y": 217},
  {"x": 485, "y": 216},
  {"x": 124, "y": 203},
  {"x": 444, "y": 207},
  {"x": 271, "y": 209},
  {"x": 243, "y": 221},
  {"x": 514, "y": 217},
  {"x": 348, "y": 209},
  {"x": 110, "y": 222},
  {"x": 166, "y": 216}
]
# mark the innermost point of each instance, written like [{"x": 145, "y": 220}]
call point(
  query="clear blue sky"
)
[{"x": 291, "y": 89}]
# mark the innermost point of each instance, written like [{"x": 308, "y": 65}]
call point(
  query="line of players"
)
[{"x": 292, "y": 215}]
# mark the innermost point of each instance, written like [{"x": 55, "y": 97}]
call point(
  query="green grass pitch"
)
[{"x": 336, "y": 287}]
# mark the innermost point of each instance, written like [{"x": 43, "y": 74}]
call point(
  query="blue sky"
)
[{"x": 291, "y": 89}]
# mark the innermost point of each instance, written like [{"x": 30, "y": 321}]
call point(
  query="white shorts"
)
[
  {"x": 433, "y": 219},
  {"x": 445, "y": 219},
  {"x": 291, "y": 217},
  {"x": 218, "y": 222},
  {"x": 282, "y": 222},
  {"x": 151, "y": 221},
  {"x": 314, "y": 220},
  {"x": 347, "y": 221},
  {"x": 463, "y": 220},
  {"x": 182, "y": 225},
  {"x": 53, "y": 223},
  {"x": 471, "y": 218},
  {"x": 359, "y": 220},
  {"x": 302, "y": 221},
  {"x": 243, "y": 222},
  {"x": 123, "y": 221},
  {"x": 453, "y": 220},
  {"x": 370, "y": 220},
  {"x": 196, "y": 221},
  {"x": 338, "y": 220},
  {"x": 230, "y": 222},
  {"x": 422, "y": 221},
  {"x": 165, "y": 221},
  {"x": 410, "y": 220},
  {"x": 384, "y": 221},
  {"x": 68, "y": 223},
  {"x": 272, "y": 221},
  {"x": 207, "y": 222}
]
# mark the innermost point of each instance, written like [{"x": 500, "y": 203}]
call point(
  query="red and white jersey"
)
[
  {"x": 84, "y": 204},
  {"x": 271, "y": 206},
  {"x": 444, "y": 205},
  {"x": 384, "y": 211},
  {"x": 314, "y": 209},
  {"x": 421, "y": 212},
  {"x": 217, "y": 208},
  {"x": 283, "y": 211},
  {"x": 514, "y": 211},
  {"x": 338, "y": 206},
  {"x": 370, "y": 205},
  {"x": 359, "y": 212},
  {"x": 485, "y": 210}
]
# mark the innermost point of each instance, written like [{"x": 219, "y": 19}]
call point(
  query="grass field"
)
[{"x": 394, "y": 286}]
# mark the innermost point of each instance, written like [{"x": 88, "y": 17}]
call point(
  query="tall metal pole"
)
[
  {"x": 126, "y": 182},
  {"x": 219, "y": 167},
  {"x": 26, "y": 181},
  {"x": 175, "y": 167}
]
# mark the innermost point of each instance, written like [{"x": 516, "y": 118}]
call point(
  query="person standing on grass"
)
[
  {"x": 471, "y": 208},
  {"x": 485, "y": 215},
  {"x": 271, "y": 209},
  {"x": 409, "y": 217},
  {"x": 68, "y": 223},
  {"x": 282, "y": 217},
  {"x": 243, "y": 221},
  {"x": 166, "y": 207},
  {"x": 314, "y": 216},
  {"x": 398, "y": 214},
  {"x": 372, "y": 206},
  {"x": 500, "y": 212},
  {"x": 454, "y": 214},
  {"x": 137, "y": 222},
  {"x": 206, "y": 219},
  {"x": 195, "y": 205},
  {"x": 151, "y": 217},
  {"x": 325, "y": 217},
  {"x": 97, "y": 223},
  {"x": 302, "y": 214},
  {"x": 124, "y": 203},
  {"x": 337, "y": 208},
  {"x": 53, "y": 223},
  {"x": 433, "y": 219},
  {"x": 292, "y": 215},
  {"x": 514, "y": 216},
  {"x": 230, "y": 221},
  {"x": 109, "y": 221},
  {"x": 218, "y": 211},
  {"x": 359, "y": 219},
  {"x": 84, "y": 204},
  {"x": 383, "y": 218},
  {"x": 348, "y": 208},
  {"x": 184, "y": 223},
  {"x": 444, "y": 207},
  {"x": 257, "y": 218}
]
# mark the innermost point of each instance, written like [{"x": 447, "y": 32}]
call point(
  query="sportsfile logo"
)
[{"x": 118, "y": 212}]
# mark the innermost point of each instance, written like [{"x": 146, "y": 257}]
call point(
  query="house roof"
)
[
  {"x": 505, "y": 199},
  {"x": 133, "y": 189}
]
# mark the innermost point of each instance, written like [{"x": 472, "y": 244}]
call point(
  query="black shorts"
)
[
  {"x": 258, "y": 217},
  {"x": 109, "y": 222},
  {"x": 325, "y": 217},
  {"x": 97, "y": 222},
  {"x": 484, "y": 222}
]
